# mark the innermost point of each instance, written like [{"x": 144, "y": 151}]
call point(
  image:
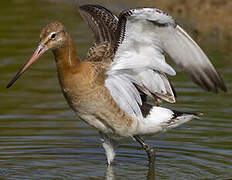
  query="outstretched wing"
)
[
  {"x": 144, "y": 35},
  {"x": 102, "y": 22}
]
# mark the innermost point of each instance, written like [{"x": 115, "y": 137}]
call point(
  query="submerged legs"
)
[
  {"x": 109, "y": 145},
  {"x": 109, "y": 175},
  {"x": 147, "y": 148}
]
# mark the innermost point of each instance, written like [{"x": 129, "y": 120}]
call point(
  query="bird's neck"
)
[{"x": 66, "y": 56}]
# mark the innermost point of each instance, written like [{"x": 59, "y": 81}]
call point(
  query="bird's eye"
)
[{"x": 53, "y": 36}]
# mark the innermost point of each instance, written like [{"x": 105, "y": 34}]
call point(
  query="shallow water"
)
[{"x": 40, "y": 137}]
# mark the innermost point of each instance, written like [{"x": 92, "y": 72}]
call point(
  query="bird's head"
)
[{"x": 52, "y": 36}]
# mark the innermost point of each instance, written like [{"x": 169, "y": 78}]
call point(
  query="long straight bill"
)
[{"x": 38, "y": 52}]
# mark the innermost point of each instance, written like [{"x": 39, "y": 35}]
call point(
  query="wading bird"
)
[{"x": 108, "y": 89}]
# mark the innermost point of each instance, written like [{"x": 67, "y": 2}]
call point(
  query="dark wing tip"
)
[
  {"x": 207, "y": 78},
  {"x": 178, "y": 113},
  {"x": 216, "y": 79},
  {"x": 222, "y": 85}
]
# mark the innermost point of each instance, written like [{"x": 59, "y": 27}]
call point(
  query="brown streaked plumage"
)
[
  {"x": 82, "y": 82},
  {"x": 101, "y": 52},
  {"x": 110, "y": 95}
]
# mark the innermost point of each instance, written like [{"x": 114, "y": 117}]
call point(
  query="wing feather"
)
[
  {"x": 143, "y": 36},
  {"x": 189, "y": 56},
  {"x": 128, "y": 97},
  {"x": 102, "y": 22}
]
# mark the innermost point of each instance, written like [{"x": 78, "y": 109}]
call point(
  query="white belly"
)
[{"x": 93, "y": 121}]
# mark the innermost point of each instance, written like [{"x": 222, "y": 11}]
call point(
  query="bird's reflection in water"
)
[
  {"x": 110, "y": 175},
  {"x": 151, "y": 172}
]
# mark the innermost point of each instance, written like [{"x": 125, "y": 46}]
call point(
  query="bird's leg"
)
[
  {"x": 109, "y": 145},
  {"x": 147, "y": 148}
]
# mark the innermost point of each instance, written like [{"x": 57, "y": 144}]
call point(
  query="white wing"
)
[{"x": 143, "y": 36}]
